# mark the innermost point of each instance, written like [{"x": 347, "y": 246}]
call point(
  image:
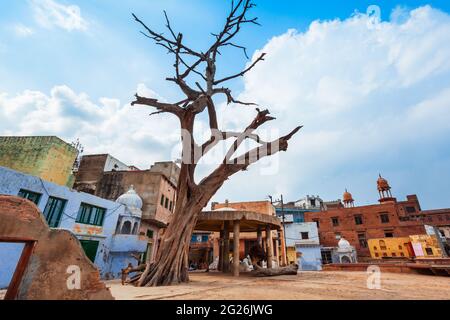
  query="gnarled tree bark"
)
[{"x": 171, "y": 264}]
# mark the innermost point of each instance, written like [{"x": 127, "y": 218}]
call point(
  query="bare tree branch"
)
[
  {"x": 240, "y": 74},
  {"x": 161, "y": 107}
]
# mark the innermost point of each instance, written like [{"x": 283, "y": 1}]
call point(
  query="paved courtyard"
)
[{"x": 304, "y": 286}]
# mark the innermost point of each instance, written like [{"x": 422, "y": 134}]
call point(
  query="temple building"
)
[{"x": 388, "y": 219}]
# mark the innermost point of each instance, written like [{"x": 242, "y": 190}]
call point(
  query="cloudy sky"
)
[{"x": 373, "y": 98}]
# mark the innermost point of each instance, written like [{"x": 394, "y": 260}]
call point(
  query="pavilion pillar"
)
[
  {"x": 259, "y": 236},
  {"x": 220, "y": 265},
  {"x": 236, "y": 243},
  {"x": 269, "y": 247},
  {"x": 276, "y": 251},
  {"x": 226, "y": 247}
]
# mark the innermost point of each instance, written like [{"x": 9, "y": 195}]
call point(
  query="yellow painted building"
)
[
  {"x": 390, "y": 248},
  {"x": 426, "y": 247},
  {"x": 415, "y": 246},
  {"x": 291, "y": 255},
  {"x": 49, "y": 158}
]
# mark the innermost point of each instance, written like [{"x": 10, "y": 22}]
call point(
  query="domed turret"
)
[
  {"x": 383, "y": 184},
  {"x": 131, "y": 199},
  {"x": 129, "y": 221},
  {"x": 348, "y": 199},
  {"x": 344, "y": 244},
  {"x": 384, "y": 189}
]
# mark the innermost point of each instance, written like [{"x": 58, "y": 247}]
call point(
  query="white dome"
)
[
  {"x": 131, "y": 199},
  {"x": 344, "y": 244}
]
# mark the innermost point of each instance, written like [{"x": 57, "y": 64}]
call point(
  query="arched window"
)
[
  {"x": 126, "y": 228},
  {"x": 136, "y": 228},
  {"x": 118, "y": 227}
]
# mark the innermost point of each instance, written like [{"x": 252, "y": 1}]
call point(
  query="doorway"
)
[
  {"x": 15, "y": 255},
  {"x": 90, "y": 248}
]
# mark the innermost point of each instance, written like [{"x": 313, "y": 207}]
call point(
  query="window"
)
[
  {"x": 388, "y": 234},
  {"x": 377, "y": 254},
  {"x": 394, "y": 254},
  {"x": 448, "y": 217},
  {"x": 384, "y": 218},
  {"x": 362, "y": 240},
  {"x": 375, "y": 248},
  {"x": 410, "y": 209},
  {"x": 88, "y": 214},
  {"x": 338, "y": 235},
  {"x": 305, "y": 235},
  {"x": 335, "y": 222},
  {"x": 166, "y": 205},
  {"x": 170, "y": 206},
  {"x": 299, "y": 217},
  {"x": 429, "y": 219},
  {"x": 54, "y": 210},
  {"x": 126, "y": 228},
  {"x": 205, "y": 238},
  {"x": 400, "y": 248},
  {"x": 358, "y": 220},
  {"x": 135, "y": 228},
  {"x": 326, "y": 257},
  {"x": 30, "y": 195},
  {"x": 149, "y": 234},
  {"x": 382, "y": 245},
  {"x": 162, "y": 200},
  {"x": 402, "y": 254},
  {"x": 429, "y": 251}
]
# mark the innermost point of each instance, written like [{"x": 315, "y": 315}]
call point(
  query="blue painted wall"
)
[
  {"x": 12, "y": 181},
  {"x": 311, "y": 259}
]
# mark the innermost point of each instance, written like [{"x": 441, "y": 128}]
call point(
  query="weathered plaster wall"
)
[
  {"x": 12, "y": 181},
  {"x": 47, "y": 157},
  {"x": 46, "y": 276}
]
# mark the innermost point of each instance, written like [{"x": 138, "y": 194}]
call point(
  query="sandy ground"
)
[{"x": 304, "y": 286}]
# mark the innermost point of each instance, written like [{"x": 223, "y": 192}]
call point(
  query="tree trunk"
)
[
  {"x": 289, "y": 270},
  {"x": 171, "y": 266}
]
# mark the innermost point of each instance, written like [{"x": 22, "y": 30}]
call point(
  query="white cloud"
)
[
  {"x": 50, "y": 13},
  {"x": 23, "y": 31},
  {"x": 371, "y": 99},
  {"x": 104, "y": 127}
]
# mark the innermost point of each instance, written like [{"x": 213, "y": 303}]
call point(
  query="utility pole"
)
[{"x": 282, "y": 222}]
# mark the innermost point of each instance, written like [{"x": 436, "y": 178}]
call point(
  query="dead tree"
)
[
  {"x": 195, "y": 75},
  {"x": 290, "y": 270}
]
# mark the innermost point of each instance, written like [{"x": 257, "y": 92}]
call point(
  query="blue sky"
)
[{"x": 71, "y": 67}]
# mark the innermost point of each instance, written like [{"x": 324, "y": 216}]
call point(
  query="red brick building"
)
[{"x": 389, "y": 218}]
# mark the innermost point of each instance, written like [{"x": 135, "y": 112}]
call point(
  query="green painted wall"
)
[{"x": 49, "y": 158}]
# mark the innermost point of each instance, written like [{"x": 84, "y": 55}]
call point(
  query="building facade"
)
[
  {"x": 49, "y": 158},
  {"x": 302, "y": 238},
  {"x": 357, "y": 224},
  {"x": 107, "y": 177},
  {"x": 93, "y": 220}
]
